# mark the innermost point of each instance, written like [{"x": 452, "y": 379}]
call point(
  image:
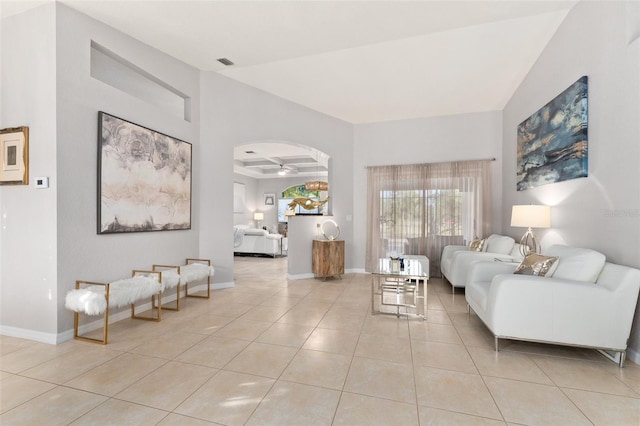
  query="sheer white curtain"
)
[{"x": 420, "y": 208}]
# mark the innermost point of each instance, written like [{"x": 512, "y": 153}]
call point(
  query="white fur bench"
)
[
  {"x": 193, "y": 271},
  {"x": 95, "y": 298}
]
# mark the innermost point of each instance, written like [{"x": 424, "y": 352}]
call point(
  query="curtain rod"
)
[{"x": 440, "y": 162}]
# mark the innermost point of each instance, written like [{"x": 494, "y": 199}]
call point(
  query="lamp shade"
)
[
  {"x": 258, "y": 216},
  {"x": 531, "y": 216}
]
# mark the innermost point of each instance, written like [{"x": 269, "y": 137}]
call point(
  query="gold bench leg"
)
[
  {"x": 171, "y": 308},
  {"x": 105, "y": 327},
  {"x": 186, "y": 290},
  {"x": 158, "y": 308}
]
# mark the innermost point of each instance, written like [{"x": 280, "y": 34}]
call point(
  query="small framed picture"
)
[
  {"x": 269, "y": 199},
  {"x": 14, "y": 156}
]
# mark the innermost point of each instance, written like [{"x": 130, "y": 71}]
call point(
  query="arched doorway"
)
[{"x": 268, "y": 175}]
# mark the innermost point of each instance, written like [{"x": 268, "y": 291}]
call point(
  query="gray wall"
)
[
  {"x": 423, "y": 140},
  {"x": 49, "y": 236},
  {"x": 601, "y": 211},
  {"x": 28, "y": 217},
  {"x": 235, "y": 114}
]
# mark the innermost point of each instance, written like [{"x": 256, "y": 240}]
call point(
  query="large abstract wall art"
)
[
  {"x": 552, "y": 143},
  {"x": 144, "y": 178}
]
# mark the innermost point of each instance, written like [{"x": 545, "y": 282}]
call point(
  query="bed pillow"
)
[{"x": 537, "y": 264}]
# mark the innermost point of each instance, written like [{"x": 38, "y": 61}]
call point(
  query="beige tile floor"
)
[{"x": 307, "y": 352}]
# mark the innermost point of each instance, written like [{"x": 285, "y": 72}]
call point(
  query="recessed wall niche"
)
[{"x": 117, "y": 72}]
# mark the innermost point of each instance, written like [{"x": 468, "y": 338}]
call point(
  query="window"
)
[{"x": 418, "y": 209}]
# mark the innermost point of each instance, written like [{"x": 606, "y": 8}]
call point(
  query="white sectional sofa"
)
[
  {"x": 586, "y": 301},
  {"x": 257, "y": 241},
  {"x": 457, "y": 260}
]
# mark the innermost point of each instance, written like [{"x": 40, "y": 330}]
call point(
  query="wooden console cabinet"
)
[{"x": 328, "y": 258}]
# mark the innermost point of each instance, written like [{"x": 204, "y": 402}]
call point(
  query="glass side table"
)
[{"x": 400, "y": 288}]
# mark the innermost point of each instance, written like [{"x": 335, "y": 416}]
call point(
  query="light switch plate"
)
[{"x": 42, "y": 182}]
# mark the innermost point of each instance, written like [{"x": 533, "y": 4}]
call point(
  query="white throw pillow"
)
[
  {"x": 499, "y": 244},
  {"x": 578, "y": 264}
]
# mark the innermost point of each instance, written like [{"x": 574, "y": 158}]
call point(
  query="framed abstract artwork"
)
[
  {"x": 144, "y": 178},
  {"x": 14, "y": 156},
  {"x": 552, "y": 143},
  {"x": 269, "y": 199}
]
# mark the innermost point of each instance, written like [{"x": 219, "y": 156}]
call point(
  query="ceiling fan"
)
[{"x": 282, "y": 171}]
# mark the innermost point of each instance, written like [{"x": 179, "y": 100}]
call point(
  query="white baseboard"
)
[
  {"x": 24, "y": 333},
  {"x": 300, "y": 276},
  {"x": 54, "y": 339}
]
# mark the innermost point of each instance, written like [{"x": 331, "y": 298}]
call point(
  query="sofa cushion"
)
[
  {"x": 477, "y": 244},
  {"x": 537, "y": 264},
  {"x": 578, "y": 264},
  {"x": 499, "y": 244}
]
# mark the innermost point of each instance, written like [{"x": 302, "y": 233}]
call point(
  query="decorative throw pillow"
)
[
  {"x": 476, "y": 245},
  {"x": 536, "y": 264}
]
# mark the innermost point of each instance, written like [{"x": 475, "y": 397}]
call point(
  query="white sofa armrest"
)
[
  {"x": 449, "y": 250},
  {"x": 481, "y": 271}
]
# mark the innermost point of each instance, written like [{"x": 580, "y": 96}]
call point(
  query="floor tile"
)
[
  {"x": 366, "y": 410},
  {"x": 59, "y": 406},
  {"x": 214, "y": 351},
  {"x": 388, "y": 348},
  {"x": 335, "y": 341},
  {"x": 117, "y": 412},
  {"x": 507, "y": 365},
  {"x": 455, "y": 391},
  {"x": 227, "y": 398},
  {"x": 32, "y": 355},
  {"x": 285, "y": 335},
  {"x": 179, "y": 420},
  {"x": 243, "y": 329},
  {"x": 442, "y": 355},
  {"x": 72, "y": 364},
  {"x": 606, "y": 410},
  {"x": 17, "y": 390},
  {"x": 386, "y": 326},
  {"x": 584, "y": 375},
  {"x": 262, "y": 359},
  {"x": 170, "y": 345},
  {"x": 534, "y": 404},
  {"x": 381, "y": 379},
  {"x": 318, "y": 368},
  {"x": 434, "y": 416},
  {"x": 168, "y": 386},
  {"x": 117, "y": 374},
  {"x": 424, "y": 330},
  {"x": 296, "y": 404},
  {"x": 265, "y": 313}
]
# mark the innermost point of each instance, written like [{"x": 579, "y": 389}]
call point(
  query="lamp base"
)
[{"x": 528, "y": 243}]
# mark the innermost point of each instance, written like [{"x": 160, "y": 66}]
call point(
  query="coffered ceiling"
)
[{"x": 272, "y": 159}]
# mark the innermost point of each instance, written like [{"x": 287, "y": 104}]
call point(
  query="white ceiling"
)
[{"x": 358, "y": 61}]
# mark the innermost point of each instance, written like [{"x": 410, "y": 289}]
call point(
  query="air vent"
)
[
  {"x": 249, "y": 152},
  {"x": 225, "y": 62}
]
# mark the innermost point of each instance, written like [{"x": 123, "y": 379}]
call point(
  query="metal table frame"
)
[{"x": 384, "y": 281}]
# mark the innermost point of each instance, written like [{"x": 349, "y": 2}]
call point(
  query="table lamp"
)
[
  {"x": 258, "y": 217},
  {"x": 530, "y": 216}
]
